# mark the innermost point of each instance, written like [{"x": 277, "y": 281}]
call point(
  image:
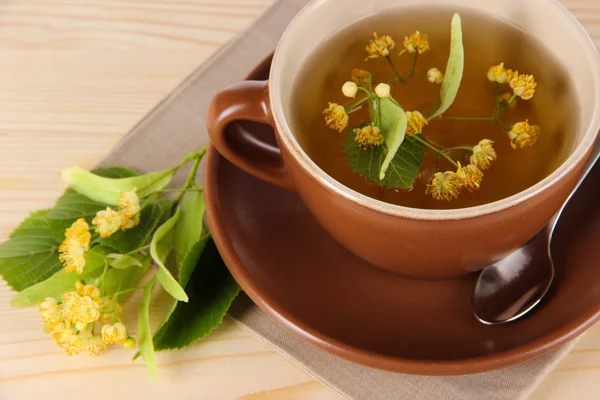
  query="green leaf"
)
[
  {"x": 403, "y": 169},
  {"x": 134, "y": 238},
  {"x": 212, "y": 290},
  {"x": 144, "y": 337},
  {"x": 72, "y": 205},
  {"x": 30, "y": 255},
  {"x": 108, "y": 190},
  {"x": 118, "y": 280},
  {"x": 122, "y": 261},
  {"x": 159, "y": 255},
  {"x": 393, "y": 124},
  {"x": 62, "y": 281},
  {"x": 186, "y": 268},
  {"x": 454, "y": 69},
  {"x": 189, "y": 226}
]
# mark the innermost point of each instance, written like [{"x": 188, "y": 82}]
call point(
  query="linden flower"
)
[
  {"x": 435, "y": 76},
  {"x": 336, "y": 117},
  {"x": 108, "y": 310},
  {"x": 497, "y": 73},
  {"x": 49, "y": 310},
  {"x": 129, "y": 203},
  {"x": 107, "y": 222},
  {"x": 359, "y": 76},
  {"x": 523, "y": 85},
  {"x": 68, "y": 340},
  {"x": 368, "y": 136},
  {"x": 417, "y": 42},
  {"x": 94, "y": 345},
  {"x": 76, "y": 243},
  {"x": 523, "y": 135},
  {"x": 469, "y": 177},
  {"x": 505, "y": 98},
  {"x": 379, "y": 46},
  {"x": 415, "y": 122},
  {"x": 444, "y": 186},
  {"x": 483, "y": 154},
  {"x": 350, "y": 89},
  {"x": 89, "y": 290},
  {"x": 76, "y": 308},
  {"x": 114, "y": 334}
]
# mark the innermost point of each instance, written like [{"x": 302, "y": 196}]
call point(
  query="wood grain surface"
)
[{"x": 75, "y": 75}]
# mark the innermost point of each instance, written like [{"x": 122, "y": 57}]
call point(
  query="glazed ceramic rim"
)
[
  {"x": 578, "y": 155},
  {"x": 435, "y": 367}
]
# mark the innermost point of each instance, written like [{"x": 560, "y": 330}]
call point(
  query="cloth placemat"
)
[{"x": 176, "y": 126}]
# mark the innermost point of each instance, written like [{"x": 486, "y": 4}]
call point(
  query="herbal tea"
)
[{"x": 429, "y": 110}]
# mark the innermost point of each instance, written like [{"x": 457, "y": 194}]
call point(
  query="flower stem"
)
[
  {"x": 398, "y": 76},
  {"x": 358, "y": 103},
  {"x": 466, "y": 148},
  {"x": 191, "y": 176},
  {"x": 490, "y": 119},
  {"x": 514, "y": 96},
  {"x": 179, "y": 190},
  {"x": 101, "y": 279},
  {"x": 137, "y": 250},
  {"x": 414, "y": 64},
  {"x": 439, "y": 152}
]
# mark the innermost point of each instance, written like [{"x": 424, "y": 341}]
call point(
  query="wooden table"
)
[{"x": 75, "y": 75}]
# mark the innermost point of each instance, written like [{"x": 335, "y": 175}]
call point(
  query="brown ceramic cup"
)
[{"x": 413, "y": 242}]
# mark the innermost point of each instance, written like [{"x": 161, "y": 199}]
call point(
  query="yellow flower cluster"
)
[
  {"x": 523, "y": 134},
  {"x": 368, "y": 137},
  {"x": 379, "y": 46},
  {"x": 417, "y": 42},
  {"x": 336, "y": 117},
  {"x": 483, "y": 154},
  {"x": 73, "y": 248},
  {"x": 449, "y": 185},
  {"x": 109, "y": 221},
  {"x": 415, "y": 122},
  {"x": 71, "y": 321},
  {"x": 523, "y": 86}
]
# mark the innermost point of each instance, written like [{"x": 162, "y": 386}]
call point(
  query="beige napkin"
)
[{"x": 176, "y": 126}]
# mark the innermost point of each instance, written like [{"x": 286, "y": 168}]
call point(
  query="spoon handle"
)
[{"x": 590, "y": 165}]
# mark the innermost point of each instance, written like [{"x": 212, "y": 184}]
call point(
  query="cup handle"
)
[{"x": 246, "y": 101}]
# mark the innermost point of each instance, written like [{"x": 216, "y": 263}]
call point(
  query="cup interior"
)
[{"x": 546, "y": 21}]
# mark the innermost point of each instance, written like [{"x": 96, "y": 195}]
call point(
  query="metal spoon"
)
[{"x": 509, "y": 289}]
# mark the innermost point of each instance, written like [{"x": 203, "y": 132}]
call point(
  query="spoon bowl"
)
[{"x": 512, "y": 287}]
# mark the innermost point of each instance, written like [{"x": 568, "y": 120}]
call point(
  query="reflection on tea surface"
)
[{"x": 487, "y": 42}]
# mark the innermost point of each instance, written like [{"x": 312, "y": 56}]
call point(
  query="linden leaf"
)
[
  {"x": 159, "y": 254},
  {"x": 134, "y": 238},
  {"x": 454, "y": 69},
  {"x": 402, "y": 171},
  {"x": 144, "y": 337},
  {"x": 72, "y": 205},
  {"x": 189, "y": 226},
  {"x": 62, "y": 281},
  {"x": 186, "y": 267},
  {"x": 392, "y": 122},
  {"x": 212, "y": 290},
  {"x": 30, "y": 255},
  {"x": 108, "y": 190}
]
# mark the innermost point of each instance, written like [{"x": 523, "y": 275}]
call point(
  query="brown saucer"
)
[{"x": 307, "y": 282}]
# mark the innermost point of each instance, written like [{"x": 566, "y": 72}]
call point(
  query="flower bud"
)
[
  {"x": 383, "y": 90},
  {"x": 434, "y": 75},
  {"x": 129, "y": 343},
  {"x": 349, "y": 89}
]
